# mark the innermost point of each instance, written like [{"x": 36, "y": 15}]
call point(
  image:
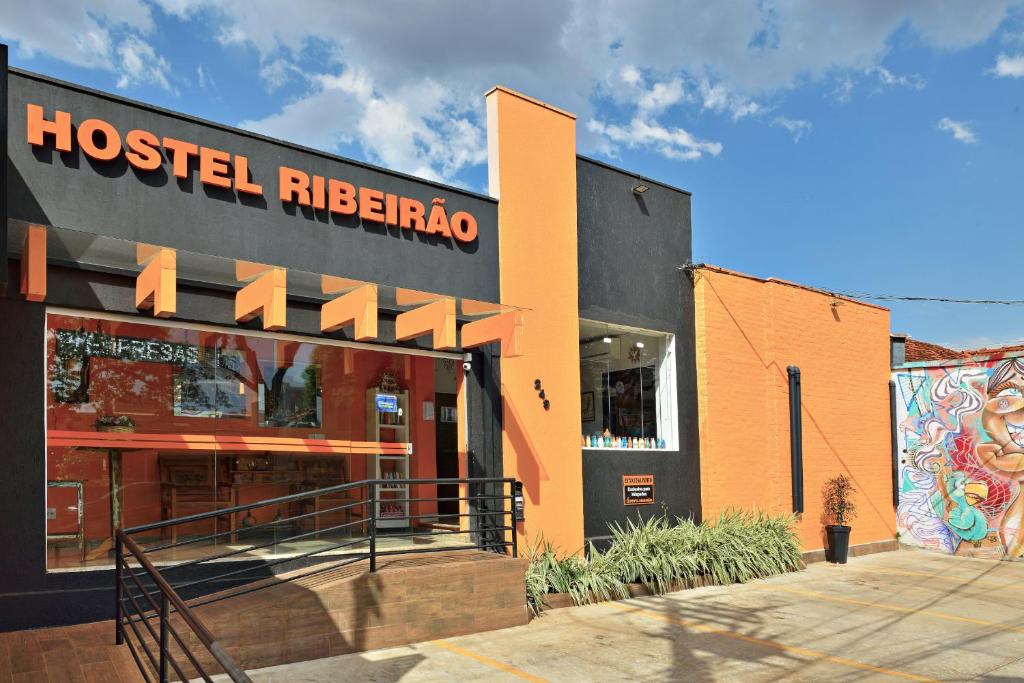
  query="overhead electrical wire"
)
[
  {"x": 938, "y": 299},
  {"x": 863, "y": 296}
]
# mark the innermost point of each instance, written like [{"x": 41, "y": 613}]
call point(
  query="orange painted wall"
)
[
  {"x": 532, "y": 170},
  {"x": 748, "y": 332}
]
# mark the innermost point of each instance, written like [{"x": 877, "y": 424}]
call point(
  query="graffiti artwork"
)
[{"x": 961, "y": 436}]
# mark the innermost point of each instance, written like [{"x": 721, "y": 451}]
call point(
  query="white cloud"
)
[
  {"x": 204, "y": 79},
  {"x": 110, "y": 35},
  {"x": 1008, "y": 66},
  {"x": 796, "y": 127},
  {"x": 433, "y": 141},
  {"x": 661, "y": 96},
  {"x": 744, "y": 53},
  {"x": 718, "y": 98},
  {"x": 276, "y": 73},
  {"x": 960, "y": 130},
  {"x": 843, "y": 92},
  {"x": 747, "y": 53},
  {"x": 876, "y": 78},
  {"x": 73, "y": 31},
  {"x": 888, "y": 78},
  {"x": 139, "y": 64},
  {"x": 672, "y": 143}
]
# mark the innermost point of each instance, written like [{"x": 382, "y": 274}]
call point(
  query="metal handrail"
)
[
  {"x": 489, "y": 523},
  {"x": 170, "y": 597},
  {"x": 302, "y": 495}
]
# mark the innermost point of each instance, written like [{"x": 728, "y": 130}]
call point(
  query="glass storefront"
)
[
  {"x": 627, "y": 384},
  {"x": 172, "y": 391}
]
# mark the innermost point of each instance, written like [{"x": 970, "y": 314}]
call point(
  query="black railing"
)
[{"x": 159, "y": 586}]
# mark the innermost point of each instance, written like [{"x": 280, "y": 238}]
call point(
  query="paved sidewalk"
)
[{"x": 899, "y": 616}]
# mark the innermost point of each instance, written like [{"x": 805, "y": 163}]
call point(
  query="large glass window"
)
[
  {"x": 628, "y": 382},
  {"x": 167, "y": 388}
]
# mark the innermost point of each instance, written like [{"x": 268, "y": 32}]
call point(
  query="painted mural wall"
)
[{"x": 960, "y": 430}]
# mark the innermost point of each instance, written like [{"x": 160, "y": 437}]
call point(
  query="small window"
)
[{"x": 628, "y": 382}]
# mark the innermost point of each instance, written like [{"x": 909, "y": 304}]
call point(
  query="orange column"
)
[
  {"x": 532, "y": 171},
  {"x": 33, "y": 264}
]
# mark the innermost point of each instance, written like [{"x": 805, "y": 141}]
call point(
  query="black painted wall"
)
[
  {"x": 70, "y": 190},
  {"x": 630, "y": 250}
]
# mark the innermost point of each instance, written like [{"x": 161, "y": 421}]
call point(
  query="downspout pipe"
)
[
  {"x": 3, "y": 169},
  {"x": 796, "y": 439},
  {"x": 895, "y": 445}
]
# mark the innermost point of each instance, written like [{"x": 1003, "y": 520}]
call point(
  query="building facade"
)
[
  {"x": 197, "y": 317},
  {"x": 750, "y": 333},
  {"x": 177, "y": 291}
]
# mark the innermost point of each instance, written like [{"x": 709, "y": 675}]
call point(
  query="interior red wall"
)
[{"x": 346, "y": 375}]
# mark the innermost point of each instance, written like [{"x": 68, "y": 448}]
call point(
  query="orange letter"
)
[
  {"x": 294, "y": 186},
  {"x": 242, "y": 183},
  {"x": 410, "y": 214},
  {"x": 371, "y": 204},
  {"x": 59, "y": 128},
  {"x": 318, "y": 192},
  {"x": 142, "y": 150},
  {"x": 87, "y": 140},
  {"x": 438, "y": 219},
  {"x": 463, "y": 226},
  {"x": 342, "y": 197},
  {"x": 391, "y": 209},
  {"x": 213, "y": 167},
  {"x": 180, "y": 152}
]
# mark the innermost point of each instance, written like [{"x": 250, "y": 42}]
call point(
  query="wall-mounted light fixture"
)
[
  {"x": 640, "y": 189},
  {"x": 607, "y": 340},
  {"x": 639, "y": 345}
]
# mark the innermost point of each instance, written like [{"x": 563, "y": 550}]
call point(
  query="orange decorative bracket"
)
[
  {"x": 356, "y": 307},
  {"x": 156, "y": 287},
  {"x": 437, "y": 318},
  {"x": 33, "y": 264},
  {"x": 265, "y": 295},
  {"x": 504, "y": 328}
]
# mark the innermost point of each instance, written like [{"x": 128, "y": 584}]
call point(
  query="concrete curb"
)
[{"x": 813, "y": 556}]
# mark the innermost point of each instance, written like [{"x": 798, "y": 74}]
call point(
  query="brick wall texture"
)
[
  {"x": 748, "y": 332},
  {"x": 410, "y": 599}
]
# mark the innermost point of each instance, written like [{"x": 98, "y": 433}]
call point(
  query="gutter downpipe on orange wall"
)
[{"x": 532, "y": 172}]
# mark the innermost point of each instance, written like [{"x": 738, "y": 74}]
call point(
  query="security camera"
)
[{"x": 467, "y": 362}]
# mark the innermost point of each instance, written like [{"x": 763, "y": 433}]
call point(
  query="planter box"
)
[{"x": 636, "y": 590}]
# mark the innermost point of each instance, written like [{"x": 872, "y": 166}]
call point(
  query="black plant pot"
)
[{"x": 838, "y": 543}]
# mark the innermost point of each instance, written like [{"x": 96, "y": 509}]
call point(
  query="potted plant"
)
[
  {"x": 115, "y": 423},
  {"x": 839, "y": 509}
]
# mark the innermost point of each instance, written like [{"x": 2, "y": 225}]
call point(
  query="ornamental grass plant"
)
[{"x": 664, "y": 555}]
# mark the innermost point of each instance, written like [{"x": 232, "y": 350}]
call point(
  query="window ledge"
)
[{"x": 630, "y": 450}]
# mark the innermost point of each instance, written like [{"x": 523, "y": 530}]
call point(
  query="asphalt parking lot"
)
[{"x": 903, "y": 615}]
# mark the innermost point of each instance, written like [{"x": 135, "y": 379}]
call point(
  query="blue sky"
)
[{"x": 855, "y": 146}]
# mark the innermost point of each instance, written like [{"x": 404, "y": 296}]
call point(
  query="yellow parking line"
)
[
  {"x": 892, "y": 608},
  {"x": 501, "y": 666},
  {"x": 950, "y": 578},
  {"x": 775, "y": 645}
]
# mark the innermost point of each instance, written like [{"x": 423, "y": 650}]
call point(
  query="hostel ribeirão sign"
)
[{"x": 144, "y": 151}]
